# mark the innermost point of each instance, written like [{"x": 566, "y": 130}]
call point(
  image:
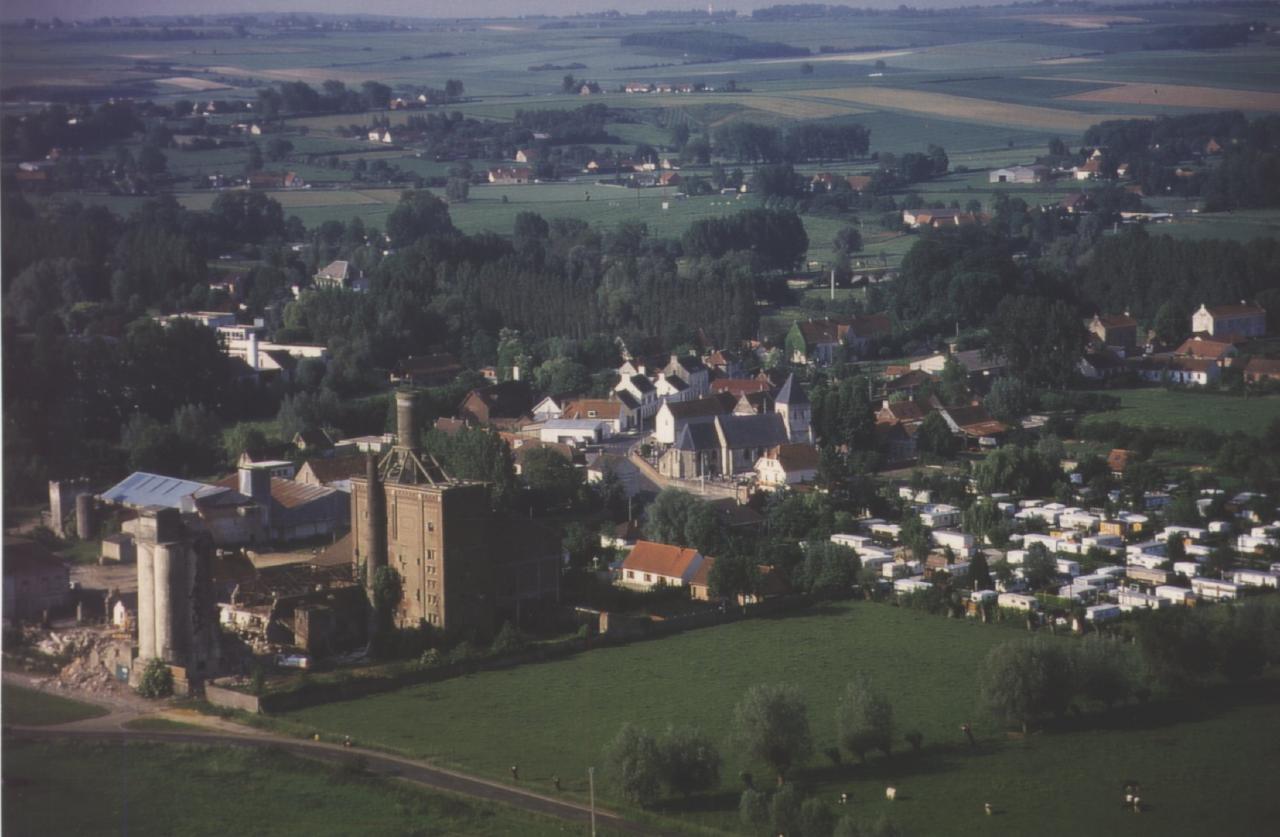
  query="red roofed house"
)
[
  {"x": 1241, "y": 320},
  {"x": 510, "y": 175},
  {"x": 1208, "y": 349},
  {"x": 1260, "y": 369},
  {"x": 651, "y": 565},
  {"x": 787, "y": 465},
  {"x": 618, "y": 415}
]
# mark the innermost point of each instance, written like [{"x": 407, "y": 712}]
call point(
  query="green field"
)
[
  {"x": 1155, "y": 407},
  {"x": 137, "y": 788},
  {"x": 553, "y": 719},
  {"x": 27, "y": 707}
]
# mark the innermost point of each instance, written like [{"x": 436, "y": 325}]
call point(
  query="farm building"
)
[{"x": 1019, "y": 174}]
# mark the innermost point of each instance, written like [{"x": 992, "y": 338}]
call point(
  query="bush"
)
[{"x": 157, "y": 680}]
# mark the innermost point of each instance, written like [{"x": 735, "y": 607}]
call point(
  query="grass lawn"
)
[
  {"x": 145, "y": 788},
  {"x": 554, "y": 719},
  {"x": 1157, "y": 407},
  {"x": 28, "y": 707}
]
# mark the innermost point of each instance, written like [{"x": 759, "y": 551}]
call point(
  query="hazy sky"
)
[{"x": 418, "y": 8}]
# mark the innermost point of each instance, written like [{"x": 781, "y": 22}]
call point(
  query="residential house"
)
[
  {"x": 612, "y": 411},
  {"x": 1100, "y": 365},
  {"x": 939, "y": 218},
  {"x": 979, "y": 367},
  {"x": 974, "y": 423},
  {"x": 739, "y": 387},
  {"x": 639, "y": 396},
  {"x": 637, "y": 87},
  {"x": 1091, "y": 169},
  {"x": 787, "y": 465},
  {"x": 1241, "y": 320},
  {"x": 1260, "y": 369},
  {"x": 691, "y": 370},
  {"x": 337, "y": 274},
  {"x": 669, "y": 178},
  {"x": 312, "y": 440},
  {"x": 502, "y": 405},
  {"x": 821, "y": 342},
  {"x": 1178, "y": 370},
  {"x": 510, "y": 175},
  {"x": 650, "y": 565},
  {"x": 1219, "y": 351},
  {"x": 1075, "y": 203},
  {"x": 573, "y": 431},
  {"x": 528, "y": 155},
  {"x": 859, "y": 182},
  {"x": 1118, "y": 330},
  {"x": 1019, "y": 174}
]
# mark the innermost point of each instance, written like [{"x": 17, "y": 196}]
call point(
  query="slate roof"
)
[
  {"x": 711, "y": 405},
  {"x": 795, "y": 457},
  {"x": 641, "y": 383},
  {"x": 792, "y": 393},
  {"x": 509, "y": 399},
  {"x": 698, "y": 437},
  {"x": 762, "y": 431}
]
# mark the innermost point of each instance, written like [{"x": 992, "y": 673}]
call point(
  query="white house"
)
[
  {"x": 910, "y": 585},
  {"x": 939, "y": 516},
  {"x": 1173, "y": 594},
  {"x": 651, "y": 565},
  {"x": 962, "y": 543},
  {"x": 787, "y": 465},
  {"x": 573, "y": 431}
]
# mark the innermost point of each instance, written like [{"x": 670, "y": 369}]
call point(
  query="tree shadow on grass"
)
[
  {"x": 723, "y": 800},
  {"x": 1199, "y": 705}
]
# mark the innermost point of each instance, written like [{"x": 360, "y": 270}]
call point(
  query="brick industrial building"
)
[{"x": 462, "y": 566}]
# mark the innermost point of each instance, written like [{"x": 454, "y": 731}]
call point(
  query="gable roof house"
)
[
  {"x": 1219, "y": 351},
  {"x": 974, "y": 423},
  {"x": 1118, "y": 330},
  {"x": 1178, "y": 370},
  {"x": 331, "y": 472},
  {"x": 1241, "y": 320},
  {"x": 787, "y": 465},
  {"x": 691, "y": 370},
  {"x": 611, "y": 411},
  {"x": 504, "y": 405},
  {"x": 510, "y": 175},
  {"x": 651, "y": 565},
  {"x": 821, "y": 341},
  {"x": 337, "y": 274},
  {"x": 1259, "y": 369}
]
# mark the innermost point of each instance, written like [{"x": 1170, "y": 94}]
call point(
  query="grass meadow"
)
[
  {"x": 555, "y": 718},
  {"x": 1157, "y": 407},
  {"x": 28, "y": 707},
  {"x": 184, "y": 790}
]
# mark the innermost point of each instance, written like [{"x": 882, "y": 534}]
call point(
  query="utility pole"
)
[
  {"x": 833, "y": 284},
  {"x": 591, "y": 782}
]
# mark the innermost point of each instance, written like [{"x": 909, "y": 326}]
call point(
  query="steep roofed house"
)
[
  {"x": 639, "y": 395},
  {"x": 337, "y": 274},
  {"x": 502, "y": 405},
  {"x": 510, "y": 175},
  {"x": 741, "y": 386},
  {"x": 691, "y": 370},
  {"x": 651, "y": 565},
  {"x": 1119, "y": 330},
  {"x": 821, "y": 342},
  {"x": 1241, "y": 320},
  {"x": 787, "y": 465},
  {"x": 902, "y": 412}
]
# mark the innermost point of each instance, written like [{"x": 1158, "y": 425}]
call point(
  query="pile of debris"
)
[{"x": 94, "y": 657}]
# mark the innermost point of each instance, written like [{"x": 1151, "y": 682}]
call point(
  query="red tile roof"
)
[{"x": 659, "y": 559}]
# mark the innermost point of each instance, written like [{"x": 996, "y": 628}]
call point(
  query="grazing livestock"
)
[{"x": 890, "y": 794}]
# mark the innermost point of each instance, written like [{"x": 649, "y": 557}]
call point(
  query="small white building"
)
[
  {"x": 910, "y": 585},
  {"x": 961, "y": 543},
  {"x": 1018, "y": 601},
  {"x": 1102, "y": 613},
  {"x": 1255, "y": 578},
  {"x": 1215, "y": 589},
  {"x": 1068, "y": 567},
  {"x": 1136, "y": 600},
  {"x": 939, "y": 516},
  {"x": 1173, "y": 594},
  {"x": 573, "y": 431}
]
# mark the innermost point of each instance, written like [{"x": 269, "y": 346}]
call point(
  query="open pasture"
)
[
  {"x": 961, "y": 108},
  {"x": 1178, "y": 95},
  {"x": 555, "y": 718},
  {"x": 1157, "y": 407}
]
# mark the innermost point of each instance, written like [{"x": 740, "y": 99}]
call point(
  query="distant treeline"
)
[
  {"x": 713, "y": 44},
  {"x": 753, "y": 141},
  {"x": 1219, "y": 36},
  {"x": 1247, "y": 177}
]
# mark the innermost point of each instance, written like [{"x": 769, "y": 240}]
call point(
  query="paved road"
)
[{"x": 224, "y": 733}]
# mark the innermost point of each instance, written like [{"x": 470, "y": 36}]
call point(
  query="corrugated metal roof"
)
[{"x": 142, "y": 489}]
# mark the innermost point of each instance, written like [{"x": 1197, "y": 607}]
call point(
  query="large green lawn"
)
[
  {"x": 27, "y": 707},
  {"x": 142, "y": 788},
  {"x": 554, "y": 719},
  {"x": 1156, "y": 407}
]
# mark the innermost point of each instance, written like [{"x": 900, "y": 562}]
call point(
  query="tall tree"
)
[{"x": 772, "y": 724}]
